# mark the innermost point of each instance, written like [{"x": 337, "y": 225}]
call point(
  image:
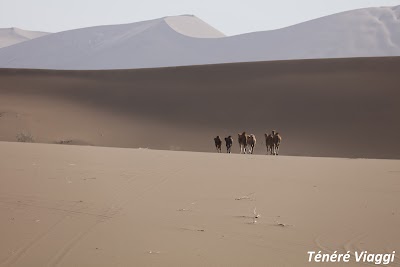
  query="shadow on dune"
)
[{"x": 333, "y": 107}]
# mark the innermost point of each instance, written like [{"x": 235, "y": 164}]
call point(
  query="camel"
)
[
  {"x": 228, "y": 142},
  {"x": 269, "y": 143},
  {"x": 242, "y": 139},
  {"x": 276, "y": 139},
  {"x": 218, "y": 143},
  {"x": 251, "y": 142}
]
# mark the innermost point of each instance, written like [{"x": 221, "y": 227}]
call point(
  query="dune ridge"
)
[
  {"x": 186, "y": 40},
  {"x": 11, "y": 36}
]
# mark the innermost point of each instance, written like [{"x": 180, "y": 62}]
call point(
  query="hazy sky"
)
[{"x": 229, "y": 16}]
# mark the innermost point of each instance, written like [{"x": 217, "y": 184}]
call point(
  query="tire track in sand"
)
[{"x": 60, "y": 255}]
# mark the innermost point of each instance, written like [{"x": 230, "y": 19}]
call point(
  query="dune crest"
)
[
  {"x": 192, "y": 26},
  {"x": 186, "y": 40},
  {"x": 11, "y": 36}
]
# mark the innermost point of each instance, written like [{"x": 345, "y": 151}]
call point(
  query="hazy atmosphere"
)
[{"x": 229, "y": 16}]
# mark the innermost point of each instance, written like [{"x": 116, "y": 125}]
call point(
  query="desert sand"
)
[
  {"x": 133, "y": 202},
  {"x": 92, "y": 206},
  {"x": 332, "y": 108}
]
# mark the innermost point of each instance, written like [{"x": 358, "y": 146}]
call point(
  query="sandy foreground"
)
[{"x": 92, "y": 206}]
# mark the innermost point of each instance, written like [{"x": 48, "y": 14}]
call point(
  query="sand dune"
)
[
  {"x": 91, "y": 206},
  {"x": 337, "y": 107},
  {"x": 192, "y": 26},
  {"x": 186, "y": 40},
  {"x": 11, "y": 36}
]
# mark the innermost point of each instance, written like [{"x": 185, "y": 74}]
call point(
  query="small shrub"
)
[
  {"x": 25, "y": 138},
  {"x": 64, "y": 142}
]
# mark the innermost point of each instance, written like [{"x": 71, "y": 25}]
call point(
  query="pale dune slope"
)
[
  {"x": 174, "y": 41},
  {"x": 192, "y": 26},
  {"x": 88, "y": 206},
  {"x": 11, "y": 36}
]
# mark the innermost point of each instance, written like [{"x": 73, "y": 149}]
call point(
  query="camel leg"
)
[{"x": 277, "y": 150}]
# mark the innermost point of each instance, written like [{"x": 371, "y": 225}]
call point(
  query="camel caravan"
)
[{"x": 247, "y": 143}]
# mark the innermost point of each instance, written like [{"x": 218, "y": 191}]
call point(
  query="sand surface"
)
[
  {"x": 334, "y": 107},
  {"x": 91, "y": 206}
]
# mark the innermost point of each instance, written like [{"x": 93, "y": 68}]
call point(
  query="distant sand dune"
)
[
  {"x": 186, "y": 40},
  {"x": 335, "y": 107},
  {"x": 11, "y": 36}
]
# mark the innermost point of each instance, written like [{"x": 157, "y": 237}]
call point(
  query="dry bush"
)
[{"x": 25, "y": 137}]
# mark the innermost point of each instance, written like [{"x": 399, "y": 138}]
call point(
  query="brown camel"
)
[
  {"x": 229, "y": 143},
  {"x": 277, "y": 139},
  {"x": 269, "y": 143},
  {"x": 218, "y": 143},
  {"x": 251, "y": 142},
  {"x": 242, "y": 139}
]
